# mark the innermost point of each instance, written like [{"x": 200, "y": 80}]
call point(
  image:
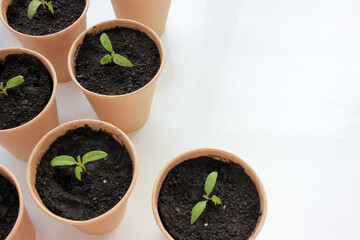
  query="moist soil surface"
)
[
  {"x": 27, "y": 100},
  {"x": 43, "y": 23},
  {"x": 112, "y": 79},
  {"x": 9, "y": 206},
  {"x": 102, "y": 185},
  {"x": 183, "y": 187}
]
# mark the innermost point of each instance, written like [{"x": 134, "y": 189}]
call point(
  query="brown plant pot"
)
[
  {"x": 105, "y": 222},
  {"x": 21, "y": 140},
  {"x": 23, "y": 227},
  {"x": 218, "y": 155},
  {"x": 130, "y": 111},
  {"x": 54, "y": 47},
  {"x": 152, "y": 13}
]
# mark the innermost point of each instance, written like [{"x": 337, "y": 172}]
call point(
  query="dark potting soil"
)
[
  {"x": 112, "y": 79},
  {"x": 102, "y": 185},
  {"x": 27, "y": 100},
  {"x": 9, "y": 206},
  {"x": 65, "y": 13},
  {"x": 183, "y": 187}
]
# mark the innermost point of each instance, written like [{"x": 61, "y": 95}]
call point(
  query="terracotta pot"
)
[
  {"x": 21, "y": 140},
  {"x": 221, "y": 156},
  {"x": 152, "y": 13},
  {"x": 54, "y": 47},
  {"x": 130, "y": 111},
  {"x": 23, "y": 227},
  {"x": 105, "y": 222}
]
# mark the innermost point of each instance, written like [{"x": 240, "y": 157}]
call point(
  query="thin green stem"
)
[{"x": 82, "y": 166}]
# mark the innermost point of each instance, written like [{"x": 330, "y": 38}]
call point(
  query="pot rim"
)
[
  {"x": 4, "y": 20},
  {"x": 100, "y": 27},
  {"x": 52, "y": 73},
  {"x": 220, "y": 155},
  {"x": 4, "y": 171},
  {"x": 79, "y": 123}
]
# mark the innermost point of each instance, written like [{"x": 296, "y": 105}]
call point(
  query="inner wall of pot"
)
[
  {"x": 9, "y": 176},
  {"x": 4, "y": 6},
  {"x": 45, "y": 62},
  {"x": 45, "y": 143},
  {"x": 221, "y": 156},
  {"x": 256, "y": 180},
  {"x": 120, "y": 23}
]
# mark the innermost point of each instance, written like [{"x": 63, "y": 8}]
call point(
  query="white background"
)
[{"x": 275, "y": 82}]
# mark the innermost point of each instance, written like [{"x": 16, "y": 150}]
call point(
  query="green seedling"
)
[
  {"x": 35, "y": 4},
  {"x": 200, "y": 206},
  {"x": 80, "y": 168},
  {"x": 11, "y": 83},
  {"x": 117, "y": 58}
]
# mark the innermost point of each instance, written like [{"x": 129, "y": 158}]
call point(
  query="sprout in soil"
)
[
  {"x": 200, "y": 206},
  {"x": 11, "y": 83},
  {"x": 80, "y": 168},
  {"x": 117, "y": 58},
  {"x": 34, "y": 5}
]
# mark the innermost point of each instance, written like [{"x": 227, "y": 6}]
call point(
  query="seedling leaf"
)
[
  {"x": 216, "y": 200},
  {"x": 50, "y": 6},
  {"x": 200, "y": 206},
  {"x": 14, "y": 81},
  {"x": 105, "y": 41},
  {"x": 33, "y": 6},
  {"x": 78, "y": 171},
  {"x": 210, "y": 182},
  {"x": 63, "y": 160},
  {"x": 80, "y": 168},
  {"x": 117, "y": 58},
  {"x": 93, "y": 156},
  {"x": 206, "y": 197},
  {"x": 1, "y": 85},
  {"x": 105, "y": 60},
  {"x": 197, "y": 210},
  {"x": 122, "y": 61}
]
